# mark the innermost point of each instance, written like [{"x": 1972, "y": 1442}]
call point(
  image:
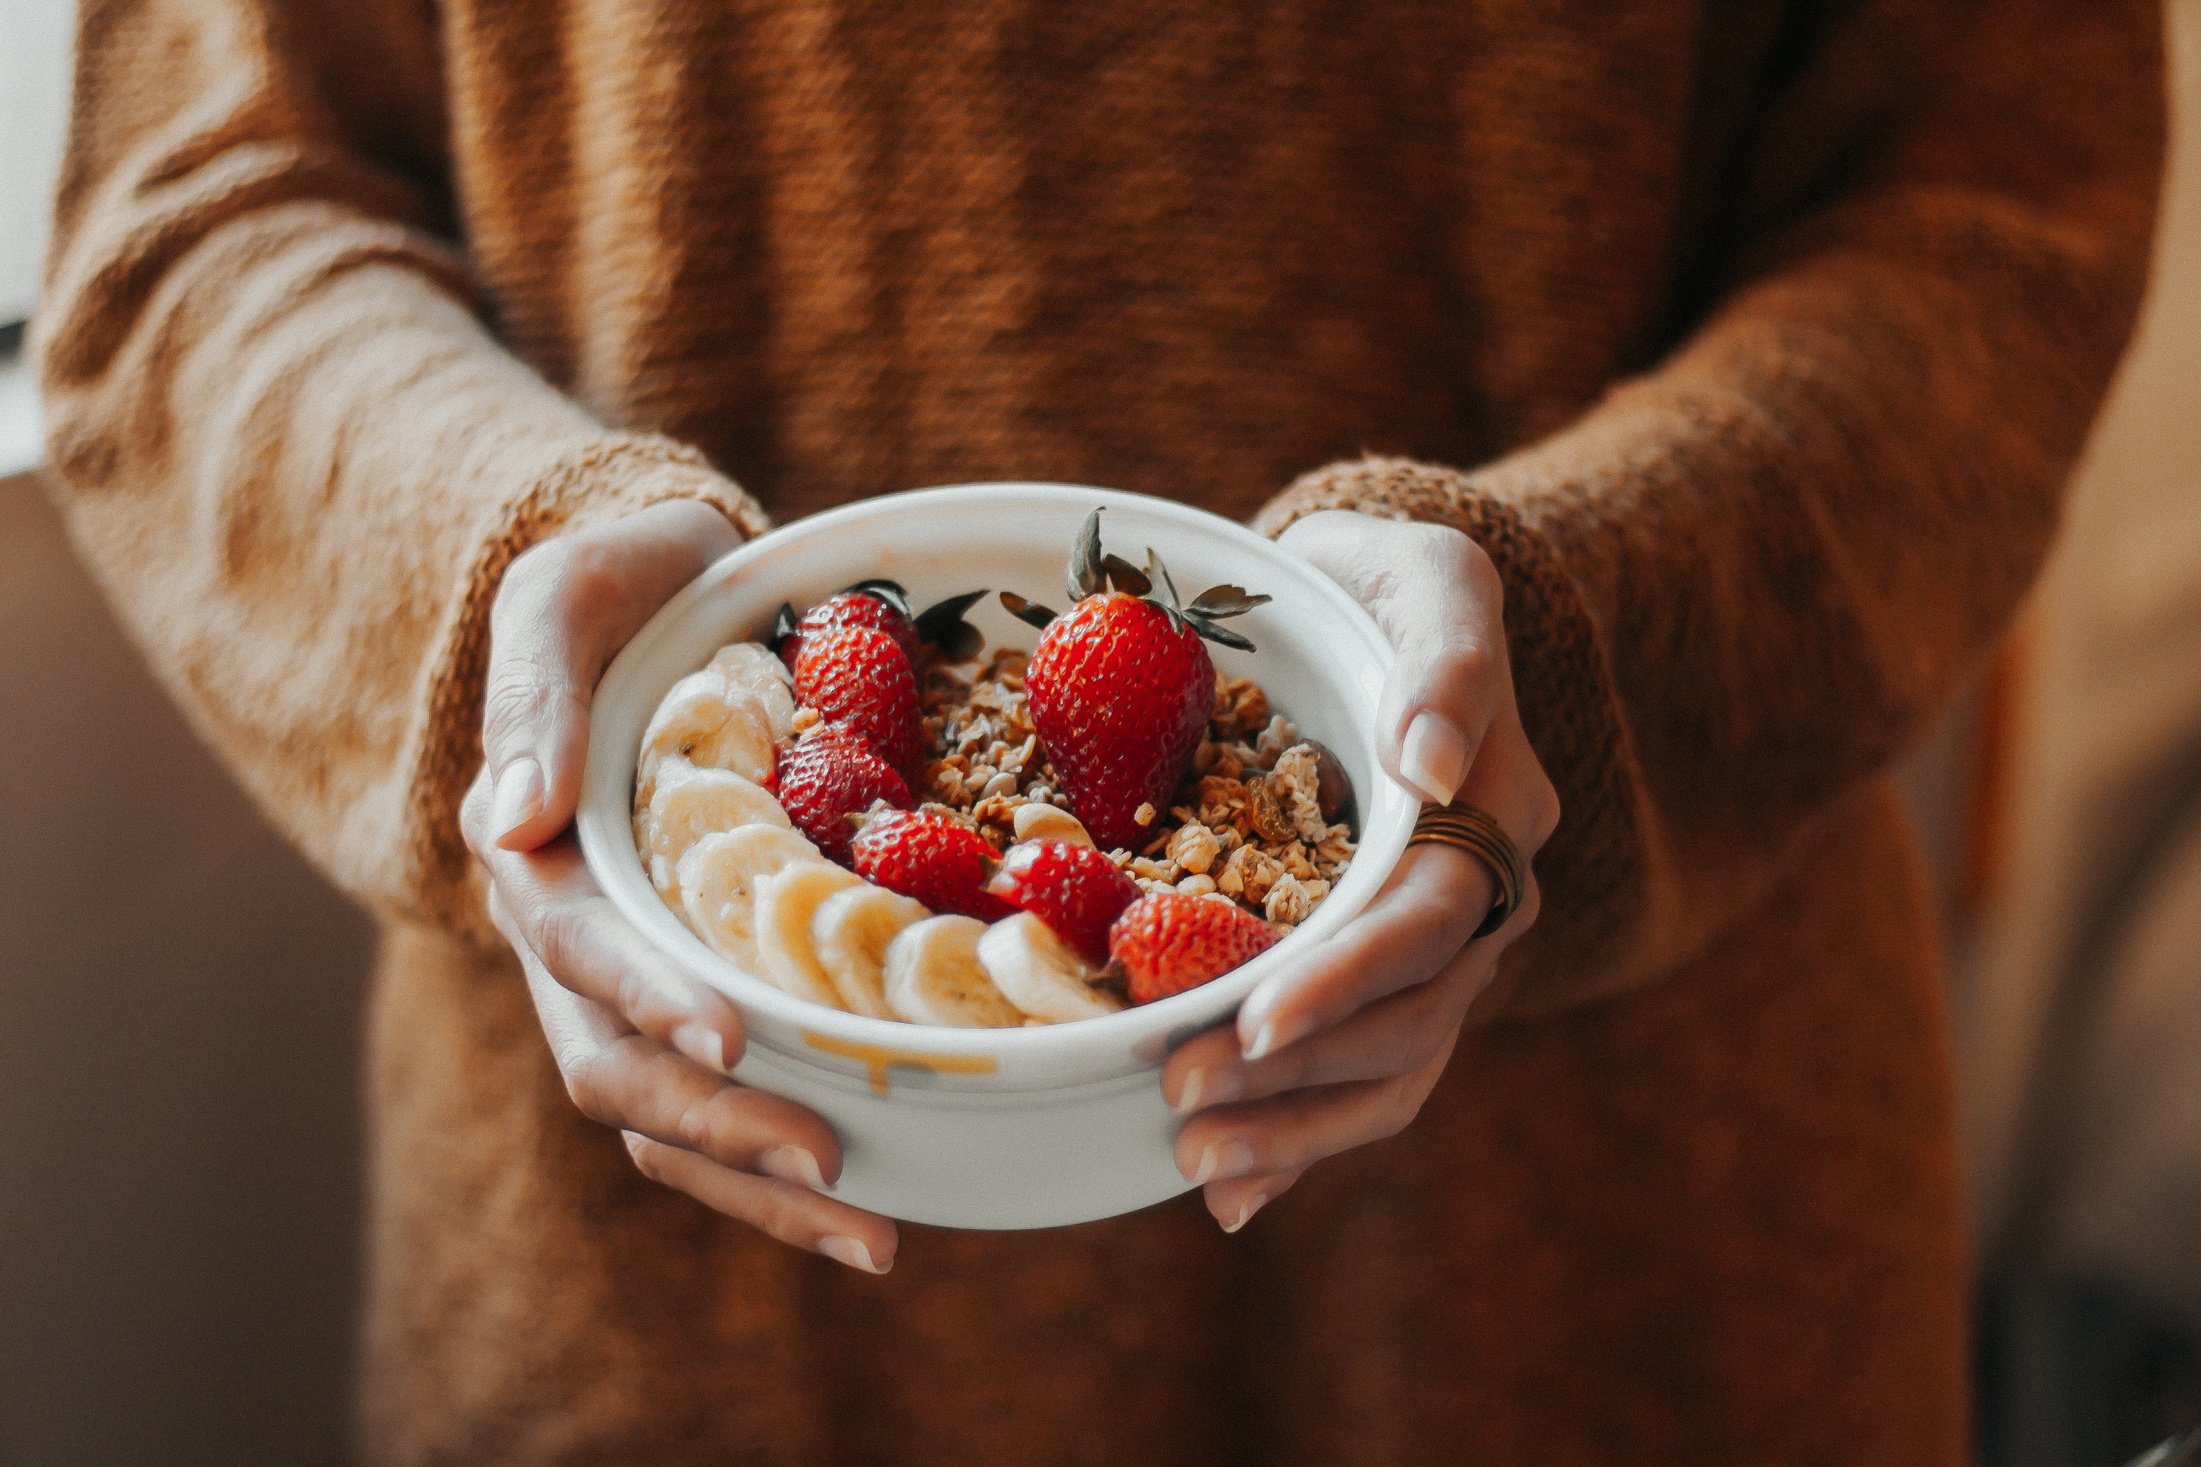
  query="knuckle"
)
[
  {"x": 518, "y": 697},
  {"x": 1442, "y": 543},
  {"x": 1459, "y": 556},
  {"x": 1399, "y": 1113},
  {"x": 782, "y": 1211},
  {"x": 1545, "y": 821},
  {"x": 633, "y": 992},
  {"x": 556, "y": 934},
  {"x": 1462, "y": 666},
  {"x": 1402, "y": 1051},
  {"x": 1532, "y": 905},
  {"x": 591, "y": 577},
  {"x": 700, "y": 1125},
  {"x": 590, "y": 1090}
]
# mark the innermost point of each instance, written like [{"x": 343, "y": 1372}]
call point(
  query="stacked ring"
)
[{"x": 1465, "y": 828}]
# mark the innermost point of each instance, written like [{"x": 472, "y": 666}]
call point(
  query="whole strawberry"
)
[
  {"x": 1076, "y": 890},
  {"x": 879, "y": 605},
  {"x": 859, "y": 676},
  {"x": 830, "y": 775},
  {"x": 934, "y": 858},
  {"x": 1167, "y": 942},
  {"x": 1120, "y": 697},
  {"x": 1120, "y": 685}
]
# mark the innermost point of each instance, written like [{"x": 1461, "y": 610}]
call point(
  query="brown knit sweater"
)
[{"x": 1758, "y": 339}]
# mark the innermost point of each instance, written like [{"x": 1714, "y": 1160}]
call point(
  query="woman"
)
[{"x": 1758, "y": 344}]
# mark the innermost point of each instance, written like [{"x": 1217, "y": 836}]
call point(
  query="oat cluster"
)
[{"x": 1248, "y": 826}]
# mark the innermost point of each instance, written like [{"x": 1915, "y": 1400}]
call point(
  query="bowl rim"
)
[{"x": 604, "y": 819}]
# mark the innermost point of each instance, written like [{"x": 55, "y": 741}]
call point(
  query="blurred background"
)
[{"x": 179, "y": 1137}]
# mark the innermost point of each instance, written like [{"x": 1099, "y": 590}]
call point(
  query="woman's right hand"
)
[{"x": 643, "y": 1048}]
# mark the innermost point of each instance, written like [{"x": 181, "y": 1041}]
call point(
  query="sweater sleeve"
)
[
  {"x": 1740, "y": 582},
  {"x": 282, "y": 435}
]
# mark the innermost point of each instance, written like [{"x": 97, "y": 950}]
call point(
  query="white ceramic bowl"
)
[{"x": 995, "y": 1128}]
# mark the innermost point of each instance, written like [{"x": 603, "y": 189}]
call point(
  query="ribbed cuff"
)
[{"x": 608, "y": 479}]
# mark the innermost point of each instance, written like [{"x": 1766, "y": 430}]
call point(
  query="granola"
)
[{"x": 1248, "y": 825}]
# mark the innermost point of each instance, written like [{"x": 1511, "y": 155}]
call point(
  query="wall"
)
[{"x": 179, "y": 1137}]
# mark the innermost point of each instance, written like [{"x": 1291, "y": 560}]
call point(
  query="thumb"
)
[
  {"x": 564, "y": 610},
  {"x": 1438, "y": 599}
]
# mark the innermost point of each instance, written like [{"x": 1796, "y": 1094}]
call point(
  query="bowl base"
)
[{"x": 1042, "y": 1160}]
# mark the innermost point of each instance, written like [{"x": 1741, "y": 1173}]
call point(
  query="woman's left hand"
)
[{"x": 1343, "y": 1048}]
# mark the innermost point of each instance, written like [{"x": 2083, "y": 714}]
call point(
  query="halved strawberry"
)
[
  {"x": 934, "y": 858},
  {"x": 858, "y": 676},
  {"x": 1167, "y": 942},
  {"x": 832, "y": 774},
  {"x": 1076, "y": 890},
  {"x": 879, "y": 605}
]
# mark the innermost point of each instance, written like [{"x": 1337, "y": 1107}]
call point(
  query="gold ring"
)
[{"x": 1465, "y": 828}]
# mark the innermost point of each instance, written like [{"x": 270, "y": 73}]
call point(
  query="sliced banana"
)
[
  {"x": 932, "y": 976},
  {"x": 718, "y": 885},
  {"x": 750, "y": 668},
  {"x": 689, "y": 803},
  {"x": 787, "y": 900},
  {"x": 850, "y": 934},
  {"x": 707, "y": 723},
  {"x": 1039, "y": 973},
  {"x": 1046, "y": 822}
]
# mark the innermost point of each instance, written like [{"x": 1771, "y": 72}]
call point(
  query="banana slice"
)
[
  {"x": 932, "y": 977},
  {"x": 787, "y": 900},
  {"x": 1039, "y": 973},
  {"x": 689, "y": 803},
  {"x": 1045, "y": 822},
  {"x": 718, "y": 885},
  {"x": 710, "y": 724},
  {"x": 750, "y": 668},
  {"x": 850, "y": 934}
]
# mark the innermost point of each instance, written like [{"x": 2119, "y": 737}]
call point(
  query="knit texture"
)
[{"x": 1753, "y": 342}]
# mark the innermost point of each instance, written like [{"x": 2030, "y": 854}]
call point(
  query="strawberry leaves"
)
[
  {"x": 1084, "y": 576},
  {"x": 1216, "y": 602},
  {"x": 1029, "y": 612},
  {"x": 941, "y": 625},
  {"x": 1125, "y": 576},
  {"x": 891, "y": 592},
  {"x": 1093, "y": 572}
]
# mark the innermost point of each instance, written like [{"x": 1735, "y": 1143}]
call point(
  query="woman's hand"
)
[
  {"x": 1342, "y": 1049},
  {"x": 642, "y": 1048}
]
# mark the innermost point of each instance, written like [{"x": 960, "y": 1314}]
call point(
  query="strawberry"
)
[
  {"x": 1120, "y": 698},
  {"x": 858, "y": 676},
  {"x": 832, "y": 774},
  {"x": 1076, "y": 890},
  {"x": 879, "y": 605},
  {"x": 1167, "y": 942},
  {"x": 1121, "y": 686},
  {"x": 934, "y": 858}
]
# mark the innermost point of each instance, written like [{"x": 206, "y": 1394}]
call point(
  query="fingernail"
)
[
  {"x": 1268, "y": 1039},
  {"x": 1433, "y": 757},
  {"x": 794, "y": 1164},
  {"x": 852, "y": 1252},
  {"x": 519, "y": 796},
  {"x": 703, "y": 1044},
  {"x": 1221, "y": 1161},
  {"x": 1208, "y": 1087},
  {"x": 1246, "y": 1210}
]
